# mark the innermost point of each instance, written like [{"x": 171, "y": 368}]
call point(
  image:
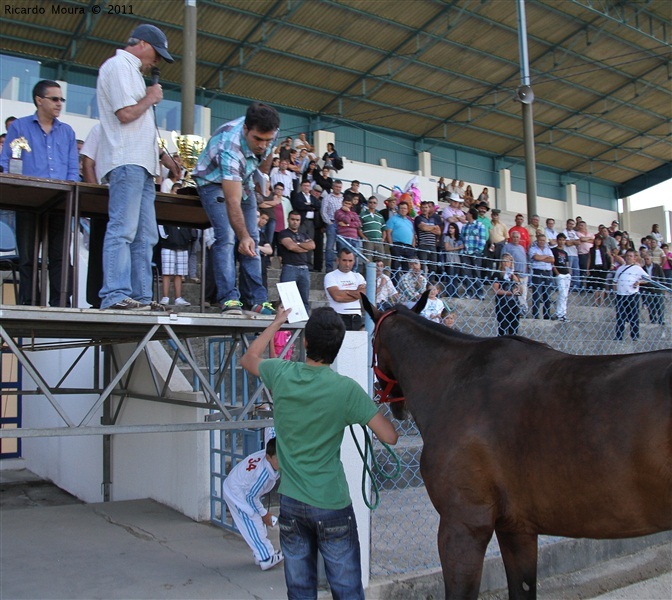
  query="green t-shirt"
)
[{"x": 311, "y": 408}]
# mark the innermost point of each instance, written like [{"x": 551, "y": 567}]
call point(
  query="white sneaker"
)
[
  {"x": 272, "y": 561},
  {"x": 165, "y": 300},
  {"x": 181, "y": 302}
]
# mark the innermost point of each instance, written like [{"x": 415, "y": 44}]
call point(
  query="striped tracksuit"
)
[{"x": 242, "y": 489}]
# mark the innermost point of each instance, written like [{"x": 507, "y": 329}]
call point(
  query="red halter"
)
[{"x": 385, "y": 392}]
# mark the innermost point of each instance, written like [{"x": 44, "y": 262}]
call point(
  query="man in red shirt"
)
[{"x": 524, "y": 234}]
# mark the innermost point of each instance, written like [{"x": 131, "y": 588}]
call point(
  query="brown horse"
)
[{"x": 523, "y": 440}]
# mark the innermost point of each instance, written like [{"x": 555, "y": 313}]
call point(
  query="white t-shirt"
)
[
  {"x": 571, "y": 235},
  {"x": 346, "y": 282},
  {"x": 626, "y": 277}
]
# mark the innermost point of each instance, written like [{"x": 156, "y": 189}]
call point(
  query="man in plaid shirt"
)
[
  {"x": 475, "y": 237},
  {"x": 224, "y": 174}
]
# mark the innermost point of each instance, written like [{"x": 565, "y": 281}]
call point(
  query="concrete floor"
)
[{"x": 63, "y": 548}]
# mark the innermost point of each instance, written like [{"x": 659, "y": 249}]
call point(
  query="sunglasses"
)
[{"x": 54, "y": 98}]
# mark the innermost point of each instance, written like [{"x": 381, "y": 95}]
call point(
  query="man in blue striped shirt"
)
[{"x": 224, "y": 175}]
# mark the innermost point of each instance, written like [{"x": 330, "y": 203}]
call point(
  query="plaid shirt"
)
[
  {"x": 411, "y": 286},
  {"x": 227, "y": 157},
  {"x": 474, "y": 236}
]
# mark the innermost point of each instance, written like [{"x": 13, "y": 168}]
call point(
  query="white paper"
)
[
  {"x": 263, "y": 181},
  {"x": 291, "y": 298}
]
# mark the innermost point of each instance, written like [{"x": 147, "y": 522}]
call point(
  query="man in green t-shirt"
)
[{"x": 312, "y": 405}]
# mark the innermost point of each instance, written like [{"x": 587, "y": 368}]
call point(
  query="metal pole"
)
[
  {"x": 528, "y": 116},
  {"x": 189, "y": 67}
]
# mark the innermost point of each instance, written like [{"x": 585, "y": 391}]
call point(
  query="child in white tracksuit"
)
[{"x": 242, "y": 489}]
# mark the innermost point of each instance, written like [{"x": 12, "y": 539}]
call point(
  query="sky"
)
[{"x": 657, "y": 195}]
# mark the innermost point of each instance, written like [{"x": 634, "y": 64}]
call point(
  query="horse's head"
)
[{"x": 388, "y": 387}]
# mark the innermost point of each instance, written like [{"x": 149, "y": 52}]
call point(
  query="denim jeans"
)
[
  {"x": 130, "y": 238},
  {"x": 304, "y": 530},
  {"x": 329, "y": 252},
  {"x": 302, "y": 277},
  {"x": 576, "y": 274},
  {"x": 627, "y": 311},
  {"x": 541, "y": 293},
  {"x": 252, "y": 288},
  {"x": 472, "y": 272}
]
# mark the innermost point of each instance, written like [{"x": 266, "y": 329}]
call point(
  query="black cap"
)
[{"x": 155, "y": 38}]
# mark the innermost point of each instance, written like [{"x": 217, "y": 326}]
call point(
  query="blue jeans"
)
[
  {"x": 302, "y": 277},
  {"x": 329, "y": 252},
  {"x": 303, "y": 530},
  {"x": 627, "y": 311},
  {"x": 576, "y": 274},
  {"x": 130, "y": 238},
  {"x": 252, "y": 288}
]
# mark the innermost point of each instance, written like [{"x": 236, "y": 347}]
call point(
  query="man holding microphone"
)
[{"x": 128, "y": 158}]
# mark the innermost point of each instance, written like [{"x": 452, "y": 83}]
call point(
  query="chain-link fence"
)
[{"x": 483, "y": 298}]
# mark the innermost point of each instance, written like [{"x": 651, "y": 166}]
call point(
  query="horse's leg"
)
[
  {"x": 462, "y": 551},
  {"x": 519, "y": 553}
]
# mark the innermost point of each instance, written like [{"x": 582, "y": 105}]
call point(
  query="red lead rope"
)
[{"x": 384, "y": 396}]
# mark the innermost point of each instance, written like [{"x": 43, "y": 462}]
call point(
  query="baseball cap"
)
[{"x": 155, "y": 38}]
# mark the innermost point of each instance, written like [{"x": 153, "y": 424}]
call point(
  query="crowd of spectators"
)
[{"x": 307, "y": 215}]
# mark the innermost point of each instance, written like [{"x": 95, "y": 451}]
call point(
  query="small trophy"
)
[
  {"x": 15, "y": 163},
  {"x": 189, "y": 147}
]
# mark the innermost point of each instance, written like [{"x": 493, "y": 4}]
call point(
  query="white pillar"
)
[
  {"x": 572, "y": 201},
  {"x": 625, "y": 217},
  {"x": 504, "y": 191},
  {"x": 425, "y": 164},
  {"x": 353, "y": 361}
]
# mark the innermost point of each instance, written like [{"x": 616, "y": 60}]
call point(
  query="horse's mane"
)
[{"x": 440, "y": 329}]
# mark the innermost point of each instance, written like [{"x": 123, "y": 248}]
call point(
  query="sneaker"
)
[
  {"x": 127, "y": 304},
  {"x": 272, "y": 561},
  {"x": 165, "y": 300},
  {"x": 265, "y": 308},
  {"x": 181, "y": 302},
  {"x": 563, "y": 319},
  {"x": 232, "y": 307},
  {"x": 154, "y": 306}
]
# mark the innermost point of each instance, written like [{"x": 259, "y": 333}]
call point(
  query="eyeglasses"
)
[{"x": 54, "y": 98}]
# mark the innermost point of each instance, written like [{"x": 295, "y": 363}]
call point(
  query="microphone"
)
[{"x": 156, "y": 72}]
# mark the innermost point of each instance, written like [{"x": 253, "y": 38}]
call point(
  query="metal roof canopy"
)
[{"x": 440, "y": 71}]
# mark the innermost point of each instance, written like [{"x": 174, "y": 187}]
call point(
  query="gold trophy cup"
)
[{"x": 189, "y": 147}]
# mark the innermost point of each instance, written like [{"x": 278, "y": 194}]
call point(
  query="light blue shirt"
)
[
  {"x": 52, "y": 156},
  {"x": 401, "y": 228}
]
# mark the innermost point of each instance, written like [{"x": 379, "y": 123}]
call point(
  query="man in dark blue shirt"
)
[{"x": 53, "y": 155}]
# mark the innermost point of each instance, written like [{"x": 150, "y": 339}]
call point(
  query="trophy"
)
[
  {"x": 15, "y": 163},
  {"x": 189, "y": 148}
]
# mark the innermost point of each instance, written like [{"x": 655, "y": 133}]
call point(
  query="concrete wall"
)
[
  {"x": 639, "y": 223},
  {"x": 73, "y": 463}
]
